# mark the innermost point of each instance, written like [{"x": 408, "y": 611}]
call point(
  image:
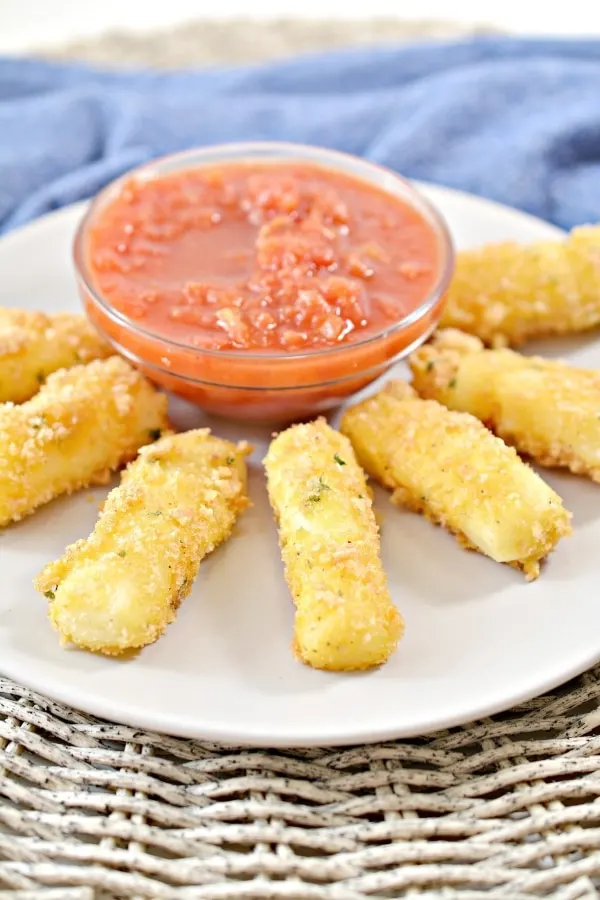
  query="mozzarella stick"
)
[
  {"x": 545, "y": 408},
  {"x": 329, "y": 540},
  {"x": 447, "y": 466},
  {"x": 507, "y": 294},
  {"x": 120, "y": 588},
  {"x": 84, "y": 423},
  {"x": 33, "y": 345}
]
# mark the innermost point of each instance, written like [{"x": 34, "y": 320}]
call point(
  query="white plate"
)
[{"x": 478, "y": 638}]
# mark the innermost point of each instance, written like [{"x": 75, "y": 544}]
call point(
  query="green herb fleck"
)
[
  {"x": 49, "y": 594},
  {"x": 154, "y": 434},
  {"x": 452, "y": 383},
  {"x": 230, "y": 460},
  {"x": 122, "y": 554},
  {"x": 155, "y": 512},
  {"x": 430, "y": 365},
  {"x": 339, "y": 460},
  {"x": 318, "y": 490}
]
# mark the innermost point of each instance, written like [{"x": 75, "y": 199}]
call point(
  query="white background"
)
[{"x": 32, "y": 23}]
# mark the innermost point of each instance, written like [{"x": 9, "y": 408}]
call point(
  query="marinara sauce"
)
[{"x": 278, "y": 261}]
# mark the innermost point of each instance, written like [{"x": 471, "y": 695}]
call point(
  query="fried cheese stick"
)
[
  {"x": 545, "y": 408},
  {"x": 447, "y": 466},
  {"x": 33, "y": 345},
  {"x": 329, "y": 541},
  {"x": 508, "y": 293},
  {"x": 120, "y": 588},
  {"x": 84, "y": 423}
]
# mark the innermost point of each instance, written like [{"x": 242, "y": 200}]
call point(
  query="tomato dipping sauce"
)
[{"x": 236, "y": 280}]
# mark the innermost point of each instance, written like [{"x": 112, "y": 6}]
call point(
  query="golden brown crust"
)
[
  {"x": 507, "y": 294},
  {"x": 547, "y": 409},
  {"x": 33, "y": 345},
  {"x": 118, "y": 589},
  {"x": 83, "y": 424},
  {"x": 345, "y": 619},
  {"x": 434, "y": 365},
  {"x": 448, "y": 467}
]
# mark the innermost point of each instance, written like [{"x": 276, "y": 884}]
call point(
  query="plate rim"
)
[{"x": 230, "y": 737}]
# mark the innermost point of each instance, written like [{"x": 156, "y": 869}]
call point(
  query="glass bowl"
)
[{"x": 272, "y": 386}]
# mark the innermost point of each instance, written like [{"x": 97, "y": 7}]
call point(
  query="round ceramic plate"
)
[{"x": 478, "y": 637}]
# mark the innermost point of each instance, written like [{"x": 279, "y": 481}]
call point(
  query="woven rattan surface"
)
[
  {"x": 506, "y": 807},
  {"x": 90, "y": 810}
]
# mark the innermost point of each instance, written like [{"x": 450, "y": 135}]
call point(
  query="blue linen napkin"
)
[{"x": 511, "y": 119}]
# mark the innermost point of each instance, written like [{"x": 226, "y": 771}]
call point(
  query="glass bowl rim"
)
[{"x": 377, "y": 369}]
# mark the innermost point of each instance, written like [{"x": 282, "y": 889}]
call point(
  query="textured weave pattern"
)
[{"x": 506, "y": 807}]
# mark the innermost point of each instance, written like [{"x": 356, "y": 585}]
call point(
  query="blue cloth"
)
[{"x": 515, "y": 120}]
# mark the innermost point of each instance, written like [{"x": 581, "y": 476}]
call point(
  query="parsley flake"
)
[
  {"x": 318, "y": 490},
  {"x": 339, "y": 460},
  {"x": 49, "y": 594}
]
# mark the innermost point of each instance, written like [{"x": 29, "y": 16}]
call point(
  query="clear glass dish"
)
[{"x": 266, "y": 385}]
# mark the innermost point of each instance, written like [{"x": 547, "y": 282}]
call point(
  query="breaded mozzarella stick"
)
[
  {"x": 447, "y": 466},
  {"x": 83, "y": 424},
  {"x": 119, "y": 589},
  {"x": 329, "y": 540},
  {"x": 508, "y": 293},
  {"x": 546, "y": 409},
  {"x": 33, "y": 345}
]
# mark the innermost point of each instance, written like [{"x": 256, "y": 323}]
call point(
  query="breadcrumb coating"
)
[
  {"x": 545, "y": 408},
  {"x": 447, "y": 466},
  {"x": 329, "y": 540},
  {"x": 121, "y": 587},
  {"x": 508, "y": 293},
  {"x": 83, "y": 424},
  {"x": 33, "y": 345}
]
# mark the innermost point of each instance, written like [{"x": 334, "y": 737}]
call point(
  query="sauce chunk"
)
[{"x": 280, "y": 257}]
